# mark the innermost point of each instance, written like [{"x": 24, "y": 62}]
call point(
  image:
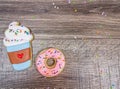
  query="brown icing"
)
[{"x": 19, "y": 56}]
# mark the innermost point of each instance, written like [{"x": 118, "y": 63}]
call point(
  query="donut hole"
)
[{"x": 51, "y": 62}]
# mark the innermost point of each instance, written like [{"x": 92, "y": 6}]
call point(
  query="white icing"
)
[{"x": 17, "y": 34}]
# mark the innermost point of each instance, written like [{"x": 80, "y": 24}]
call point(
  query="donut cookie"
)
[
  {"x": 50, "y": 62},
  {"x": 18, "y": 43}
]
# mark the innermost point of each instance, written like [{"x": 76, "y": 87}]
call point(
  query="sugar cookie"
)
[
  {"x": 18, "y": 43},
  {"x": 57, "y": 62}
]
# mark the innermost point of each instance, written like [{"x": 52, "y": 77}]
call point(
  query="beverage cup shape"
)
[{"x": 18, "y": 46}]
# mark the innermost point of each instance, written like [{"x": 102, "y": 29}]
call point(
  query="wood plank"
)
[
  {"x": 42, "y": 18},
  {"x": 84, "y": 60}
]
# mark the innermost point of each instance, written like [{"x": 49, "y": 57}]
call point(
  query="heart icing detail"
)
[{"x": 20, "y": 55}]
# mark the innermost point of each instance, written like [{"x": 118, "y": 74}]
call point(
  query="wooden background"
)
[{"x": 87, "y": 31}]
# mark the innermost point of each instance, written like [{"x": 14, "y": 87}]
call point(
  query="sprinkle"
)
[
  {"x": 103, "y": 13},
  {"x": 55, "y": 6},
  {"x": 53, "y": 3},
  {"x": 110, "y": 36},
  {"x": 26, "y": 32},
  {"x": 51, "y": 52},
  {"x": 54, "y": 72},
  {"x": 69, "y": 1},
  {"x": 60, "y": 66},
  {"x": 111, "y": 87},
  {"x": 55, "y": 51},
  {"x": 10, "y": 30},
  {"x": 59, "y": 57},
  {"x": 75, "y": 10},
  {"x": 37, "y": 63},
  {"x": 20, "y": 31},
  {"x": 97, "y": 55},
  {"x": 75, "y": 37},
  {"x": 15, "y": 33}
]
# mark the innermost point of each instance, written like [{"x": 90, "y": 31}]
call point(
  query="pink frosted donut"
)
[{"x": 47, "y": 69}]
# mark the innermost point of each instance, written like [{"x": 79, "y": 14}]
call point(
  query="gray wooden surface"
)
[{"x": 86, "y": 31}]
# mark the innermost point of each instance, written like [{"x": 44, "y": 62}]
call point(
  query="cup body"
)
[{"x": 20, "y": 55}]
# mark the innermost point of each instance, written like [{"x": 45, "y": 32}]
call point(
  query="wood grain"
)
[
  {"x": 87, "y": 32},
  {"x": 97, "y": 19}
]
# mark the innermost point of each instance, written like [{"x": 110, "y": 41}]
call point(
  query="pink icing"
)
[{"x": 54, "y": 53}]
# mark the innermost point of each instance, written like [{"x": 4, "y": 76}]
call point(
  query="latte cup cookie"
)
[
  {"x": 50, "y": 62},
  {"x": 18, "y": 40}
]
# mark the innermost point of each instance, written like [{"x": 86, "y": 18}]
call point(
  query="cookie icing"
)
[
  {"x": 47, "y": 54},
  {"x": 17, "y": 34}
]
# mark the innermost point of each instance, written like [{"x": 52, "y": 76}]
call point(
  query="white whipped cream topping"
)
[{"x": 17, "y": 34}]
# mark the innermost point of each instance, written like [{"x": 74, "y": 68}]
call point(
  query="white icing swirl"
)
[{"x": 17, "y": 34}]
